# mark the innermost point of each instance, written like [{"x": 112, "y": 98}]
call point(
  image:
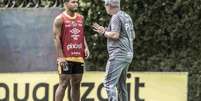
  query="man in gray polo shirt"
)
[{"x": 120, "y": 35}]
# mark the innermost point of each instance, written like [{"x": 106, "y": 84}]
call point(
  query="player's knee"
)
[
  {"x": 76, "y": 83},
  {"x": 63, "y": 85}
]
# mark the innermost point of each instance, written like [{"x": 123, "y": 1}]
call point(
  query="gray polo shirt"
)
[{"x": 122, "y": 48}]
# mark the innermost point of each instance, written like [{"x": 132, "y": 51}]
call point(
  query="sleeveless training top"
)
[{"x": 72, "y": 36}]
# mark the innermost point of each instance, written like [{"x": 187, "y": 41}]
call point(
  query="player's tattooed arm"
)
[{"x": 57, "y": 34}]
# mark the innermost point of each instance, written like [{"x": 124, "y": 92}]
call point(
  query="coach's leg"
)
[
  {"x": 121, "y": 86},
  {"x": 75, "y": 86},
  {"x": 63, "y": 83},
  {"x": 113, "y": 72}
]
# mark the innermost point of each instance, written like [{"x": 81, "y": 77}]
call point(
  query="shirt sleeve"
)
[{"x": 115, "y": 24}]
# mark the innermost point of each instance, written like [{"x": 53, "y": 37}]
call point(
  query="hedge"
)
[{"x": 168, "y": 37}]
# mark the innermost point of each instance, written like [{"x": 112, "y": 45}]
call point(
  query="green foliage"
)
[{"x": 168, "y": 37}]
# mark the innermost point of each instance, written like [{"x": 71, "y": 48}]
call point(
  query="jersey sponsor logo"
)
[
  {"x": 74, "y": 46},
  {"x": 67, "y": 25},
  {"x": 67, "y": 21},
  {"x": 75, "y": 34},
  {"x": 80, "y": 25},
  {"x": 75, "y": 53},
  {"x": 75, "y": 37},
  {"x": 79, "y": 21},
  {"x": 74, "y": 24}
]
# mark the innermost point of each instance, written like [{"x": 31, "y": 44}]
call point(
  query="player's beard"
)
[{"x": 73, "y": 9}]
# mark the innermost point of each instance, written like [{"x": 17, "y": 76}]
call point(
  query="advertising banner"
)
[{"x": 142, "y": 86}]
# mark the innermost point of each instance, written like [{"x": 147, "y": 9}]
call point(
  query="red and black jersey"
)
[{"x": 72, "y": 36}]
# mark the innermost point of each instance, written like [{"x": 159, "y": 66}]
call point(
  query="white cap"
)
[{"x": 113, "y": 2}]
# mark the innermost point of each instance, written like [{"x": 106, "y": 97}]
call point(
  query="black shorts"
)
[{"x": 69, "y": 67}]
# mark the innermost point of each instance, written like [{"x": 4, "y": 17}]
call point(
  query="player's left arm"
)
[{"x": 86, "y": 50}]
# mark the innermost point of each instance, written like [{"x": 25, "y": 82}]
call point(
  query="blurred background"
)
[{"x": 168, "y": 36}]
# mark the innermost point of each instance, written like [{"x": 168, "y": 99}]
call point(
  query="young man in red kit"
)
[{"x": 72, "y": 49}]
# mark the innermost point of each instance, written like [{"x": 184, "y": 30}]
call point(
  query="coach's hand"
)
[{"x": 98, "y": 28}]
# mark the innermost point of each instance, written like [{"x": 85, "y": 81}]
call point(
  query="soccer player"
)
[{"x": 72, "y": 49}]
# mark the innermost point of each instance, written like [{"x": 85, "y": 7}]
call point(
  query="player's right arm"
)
[{"x": 57, "y": 25}]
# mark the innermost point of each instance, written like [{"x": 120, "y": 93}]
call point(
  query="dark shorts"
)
[{"x": 69, "y": 67}]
